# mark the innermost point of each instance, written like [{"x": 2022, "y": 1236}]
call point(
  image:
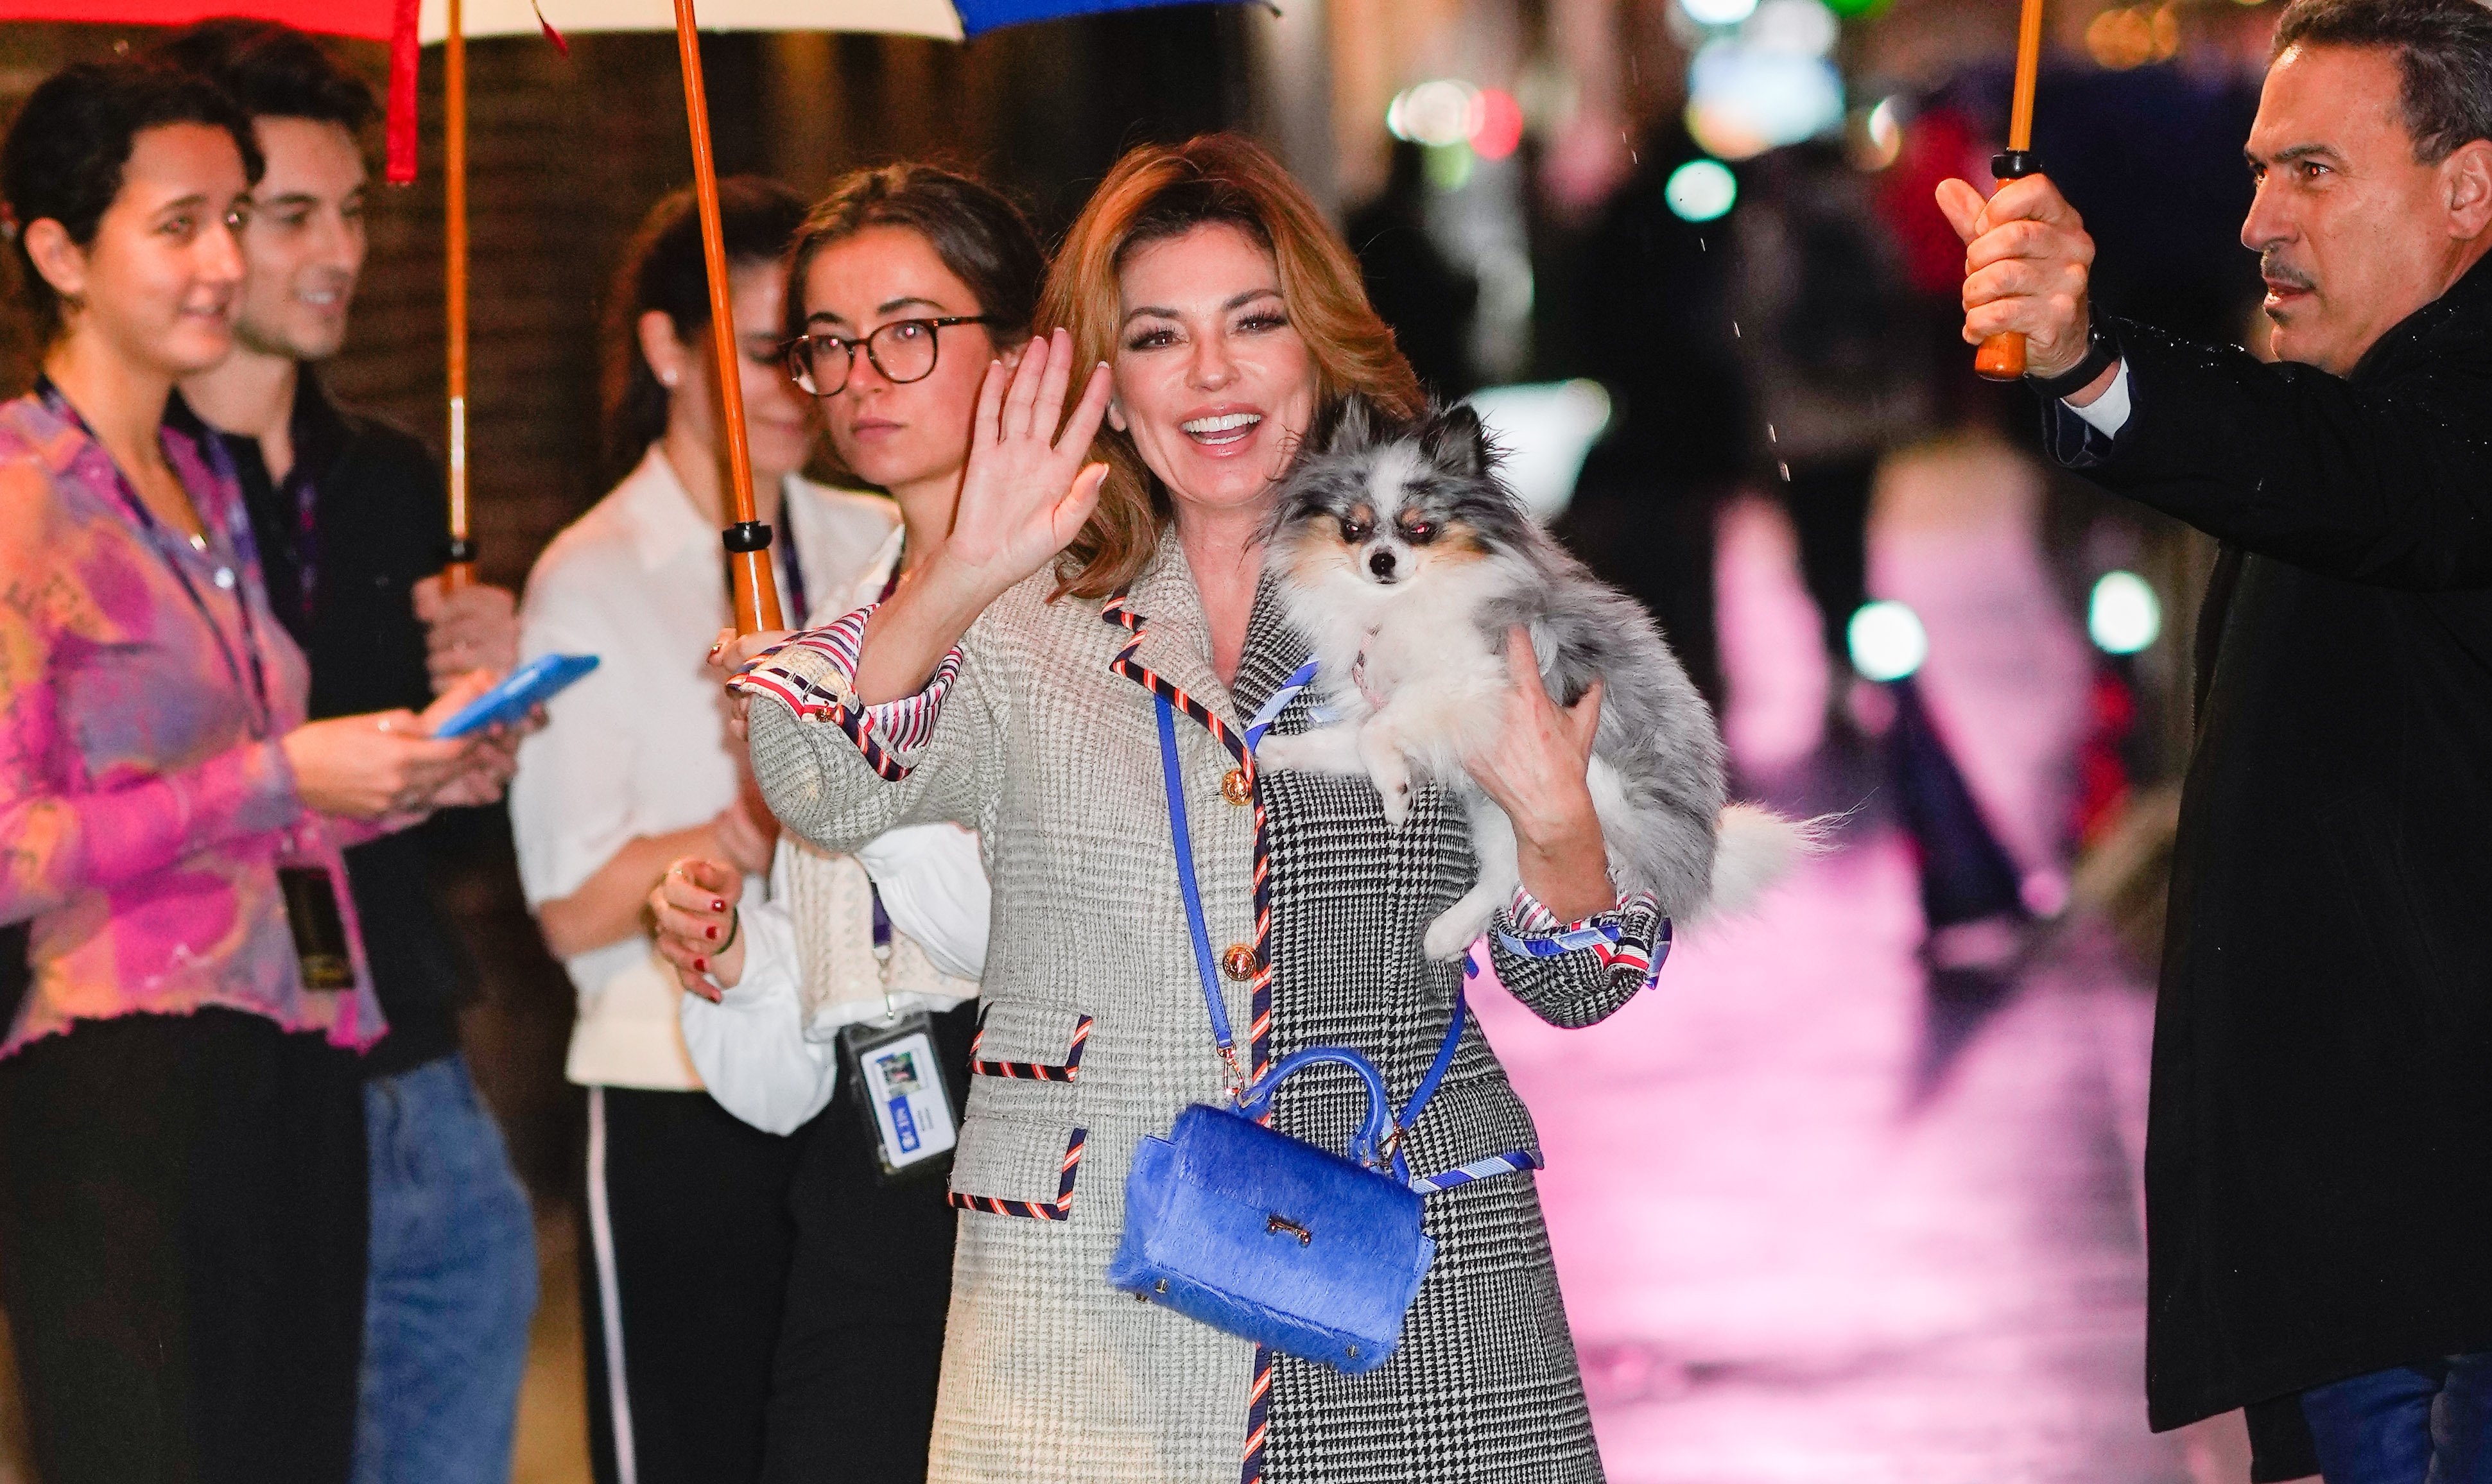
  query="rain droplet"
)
[
  {"x": 1771, "y": 435},
  {"x": 1786, "y": 469},
  {"x": 1735, "y": 330}
]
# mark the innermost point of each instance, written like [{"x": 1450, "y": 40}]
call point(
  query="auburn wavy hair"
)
[{"x": 1158, "y": 192}]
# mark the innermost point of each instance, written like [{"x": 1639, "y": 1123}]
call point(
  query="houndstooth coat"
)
[{"x": 1045, "y": 741}]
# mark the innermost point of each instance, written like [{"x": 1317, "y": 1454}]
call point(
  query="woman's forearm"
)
[
  {"x": 1565, "y": 867},
  {"x": 606, "y": 907},
  {"x": 909, "y": 635}
]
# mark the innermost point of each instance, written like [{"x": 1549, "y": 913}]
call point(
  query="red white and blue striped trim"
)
[
  {"x": 1258, "y": 1417},
  {"x": 1065, "y": 1071},
  {"x": 882, "y": 734},
  {"x": 1035, "y": 1211},
  {"x": 1538, "y": 934},
  {"x": 1478, "y": 1170}
]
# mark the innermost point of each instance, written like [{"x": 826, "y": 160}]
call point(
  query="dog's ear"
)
[
  {"x": 1455, "y": 441},
  {"x": 1344, "y": 427}
]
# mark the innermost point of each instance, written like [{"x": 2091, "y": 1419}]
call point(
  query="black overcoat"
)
[{"x": 2319, "y": 1157}]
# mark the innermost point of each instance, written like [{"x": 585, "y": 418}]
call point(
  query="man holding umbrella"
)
[
  {"x": 351, "y": 524},
  {"x": 2319, "y": 1164}
]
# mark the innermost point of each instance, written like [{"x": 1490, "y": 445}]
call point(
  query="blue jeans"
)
[
  {"x": 2420, "y": 1424},
  {"x": 452, "y": 1289}
]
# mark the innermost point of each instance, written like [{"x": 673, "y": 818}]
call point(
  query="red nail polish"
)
[
  {"x": 700, "y": 966},
  {"x": 717, "y": 904},
  {"x": 712, "y": 931}
]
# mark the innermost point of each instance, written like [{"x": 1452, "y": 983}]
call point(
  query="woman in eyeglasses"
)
[
  {"x": 687, "y": 1240},
  {"x": 905, "y": 284}
]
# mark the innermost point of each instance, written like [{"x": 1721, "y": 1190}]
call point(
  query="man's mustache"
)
[{"x": 2277, "y": 271}]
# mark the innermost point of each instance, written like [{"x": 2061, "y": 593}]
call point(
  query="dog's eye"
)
[
  {"x": 1419, "y": 531},
  {"x": 1354, "y": 530}
]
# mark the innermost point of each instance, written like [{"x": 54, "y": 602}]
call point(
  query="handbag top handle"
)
[{"x": 1375, "y": 1145}]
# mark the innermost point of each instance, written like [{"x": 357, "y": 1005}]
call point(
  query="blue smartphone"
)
[{"x": 517, "y": 693}]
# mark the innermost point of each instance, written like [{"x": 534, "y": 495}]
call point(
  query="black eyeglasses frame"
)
[{"x": 791, "y": 352}]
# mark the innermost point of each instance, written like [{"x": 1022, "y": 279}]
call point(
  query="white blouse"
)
[
  {"x": 639, "y": 747},
  {"x": 768, "y": 1051}
]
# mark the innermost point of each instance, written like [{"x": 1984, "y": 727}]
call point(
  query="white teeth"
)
[{"x": 1226, "y": 421}]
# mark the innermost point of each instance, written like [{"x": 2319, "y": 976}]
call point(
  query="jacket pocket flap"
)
[
  {"x": 1006, "y": 1167},
  {"x": 1029, "y": 1042}
]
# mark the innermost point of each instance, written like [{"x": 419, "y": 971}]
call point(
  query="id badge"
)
[
  {"x": 319, "y": 929},
  {"x": 897, "y": 1081}
]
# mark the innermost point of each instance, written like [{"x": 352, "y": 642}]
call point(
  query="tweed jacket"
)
[{"x": 1095, "y": 1035}]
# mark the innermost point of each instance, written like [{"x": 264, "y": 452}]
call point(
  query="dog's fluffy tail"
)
[{"x": 1756, "y": 847}]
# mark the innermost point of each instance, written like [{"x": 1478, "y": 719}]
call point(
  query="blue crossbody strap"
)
[
  {"x": 1184, "y": 839},
  {"x": 1277, "y": 703},
  {"x": 1260, "y": 1095}
]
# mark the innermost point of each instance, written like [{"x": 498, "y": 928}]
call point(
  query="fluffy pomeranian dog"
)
[{"x": 1406, "y": 562}]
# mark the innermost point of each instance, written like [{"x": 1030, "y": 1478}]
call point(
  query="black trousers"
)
[
  {"x": 183, "y": 1220},
  {"x": 781, "y": 1309},
  {"x": 683, "y": 1275},
  {"x": 861, "y": 1346}
]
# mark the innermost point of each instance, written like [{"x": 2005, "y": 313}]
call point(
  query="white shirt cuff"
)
[{"x": 2108, "y": 413}]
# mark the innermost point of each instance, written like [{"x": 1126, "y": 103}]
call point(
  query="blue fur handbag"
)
[
  {"x": 1271, "y": 1238},
  {"x": 1265, "y": 1236}
]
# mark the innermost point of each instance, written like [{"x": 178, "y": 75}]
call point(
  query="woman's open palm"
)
[{"x": 1026, "y": 490}]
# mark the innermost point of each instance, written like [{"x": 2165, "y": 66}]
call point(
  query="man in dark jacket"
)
[
  {"x": 350, "y": 515},
  {"x": 2319, "y": 1165}
]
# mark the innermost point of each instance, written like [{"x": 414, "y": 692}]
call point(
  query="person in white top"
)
[
  {"x": 906, "y": 283},
  {"x": 688, "y": 1236}
]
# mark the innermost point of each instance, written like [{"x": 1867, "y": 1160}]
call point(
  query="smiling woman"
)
[
  {"x": 1039, "y": 678},
  {"x": 182, "y": 1157}
]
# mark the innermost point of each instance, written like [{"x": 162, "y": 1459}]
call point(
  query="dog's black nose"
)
[{"x": 1381, "y": 564}]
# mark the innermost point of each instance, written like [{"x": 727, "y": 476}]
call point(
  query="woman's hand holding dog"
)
[
  {"x": 1538, "y": 771},
  {"x": 1024, "y": 497}
]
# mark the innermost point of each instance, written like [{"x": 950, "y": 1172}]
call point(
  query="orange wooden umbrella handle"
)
[
  {"x": 748, "y": 539},
  {"x": 2002, "y": 357},
  {"x": 461, "y": 571}
]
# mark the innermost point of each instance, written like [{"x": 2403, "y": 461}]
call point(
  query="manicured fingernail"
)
[
  {"x": 718, "y": 903},
  {"x": 712, "y": 931},
  {"x": 700, "y": 966}
]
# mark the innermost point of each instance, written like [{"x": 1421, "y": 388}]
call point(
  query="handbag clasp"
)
[{"x": 1283, "y": 1224}]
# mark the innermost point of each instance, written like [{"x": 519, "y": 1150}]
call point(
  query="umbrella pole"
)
[
  {"x": 2001, "y": 356},
  {"x": 748, "y": 539},
  {"x": 460, "y": 570}
]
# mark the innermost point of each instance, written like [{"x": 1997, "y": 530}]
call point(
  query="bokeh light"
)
[
  {"x": 1718, "y": 13},
  {"x": 1745, "y": 98},
  {"x": 1880, "y": 141},
  {"x": 1436, "y": 113},
  {"x": 2133, "y": 36},
  {"x": 2125, "y": 616},
  {"x": 1495, "y": 122},
  {"x": 1803, "y": 26},
  {"x": 1888, "y": 640},
  {"x": 1701, "y": 191}
]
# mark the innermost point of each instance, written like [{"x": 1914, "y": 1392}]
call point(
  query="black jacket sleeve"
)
[{"x": 2385, "y": 479}]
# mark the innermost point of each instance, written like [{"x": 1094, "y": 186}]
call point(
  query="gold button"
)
[
  {"x": 1236, "y": 787},
  {"x": 1238, "y": 961}
]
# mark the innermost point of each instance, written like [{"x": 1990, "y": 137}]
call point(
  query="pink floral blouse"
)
[{"x": 145, "y": 801}]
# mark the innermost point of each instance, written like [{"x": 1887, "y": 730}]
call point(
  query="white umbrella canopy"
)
[{"x": 520, "y": 17}]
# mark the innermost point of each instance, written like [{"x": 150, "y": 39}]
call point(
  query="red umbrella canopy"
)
[{"x": 370, "y": 19}]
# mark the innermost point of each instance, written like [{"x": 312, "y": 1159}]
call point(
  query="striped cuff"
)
[
  {"x": 1633, "y": 934},
  {"x": 814, "y": 675}
]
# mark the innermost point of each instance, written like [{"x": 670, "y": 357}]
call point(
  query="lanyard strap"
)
[
  {"x": 798, "y": 609},
  {"x": 255, "y": 689}
]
